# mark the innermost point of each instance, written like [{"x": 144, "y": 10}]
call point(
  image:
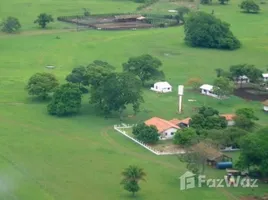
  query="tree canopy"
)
[
  {"x": 223, "y": 87},
  {"x": 185, "y": 137},
  {"x": 66, "y": 100},
  {"x": 250, "y": 6},
  {"x": 244, "y": 118},
  {"x": 205, "y": 30},
  {"x": 132, "y": 175},
  {"x": 207, "y": 118},
  {"x": 10, "y": 25},
  {"x": 43, "y": 19},
  {"x": 146, "y": 67},
  {"x": 254, "y": 151},
  {"x": 79, "y": 76},
  {"x": 41, "y": 84},
  {"x": 116, "y": 92},
  {"x": 146, "y": 134}
]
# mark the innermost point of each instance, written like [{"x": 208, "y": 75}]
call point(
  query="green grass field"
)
[{"x": 81, "y": 157}]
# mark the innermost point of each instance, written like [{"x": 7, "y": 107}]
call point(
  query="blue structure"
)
[{"x": 224, "y": 165}]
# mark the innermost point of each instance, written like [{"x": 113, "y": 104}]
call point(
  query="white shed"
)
[
  {"x": 265, "y": 76},
  {"x": 162, "y": 87},
  {"x": 242, "y": 79},
  {"x": 208, "y": 90},
  {"x": 265, "y": 105}
]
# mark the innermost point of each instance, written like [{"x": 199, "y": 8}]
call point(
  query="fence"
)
[{"x": 118, "y": 128}]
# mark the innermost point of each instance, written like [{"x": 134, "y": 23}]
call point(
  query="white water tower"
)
[{"x": 180, "y": 93}]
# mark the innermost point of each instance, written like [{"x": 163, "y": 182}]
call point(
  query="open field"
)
[{"x": 81, "y": 157}]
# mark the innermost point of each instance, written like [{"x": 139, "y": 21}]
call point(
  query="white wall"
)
[
  {"x": 265, "y": 79},
  {"x": 167, "y": 134},
  {"x": 230, "y": 123},
  {"x": 265, "y": 108},
  {"x": 159, "y": 88},
  {"x": 206, "y": 92}
]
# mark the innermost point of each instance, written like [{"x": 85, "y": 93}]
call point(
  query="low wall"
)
[{"x": 118, "y": 128}]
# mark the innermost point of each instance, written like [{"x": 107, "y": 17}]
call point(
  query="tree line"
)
[{"x": 109, "y": 91}]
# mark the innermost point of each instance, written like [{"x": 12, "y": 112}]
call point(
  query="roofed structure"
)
[
  {"x": 210, "y": 153},
  {"x": 126, "y": 17},
  {"x": 206, "y": 87},
  {"x": 160, "y": 124},
  {"x": 228, "y": 117}
]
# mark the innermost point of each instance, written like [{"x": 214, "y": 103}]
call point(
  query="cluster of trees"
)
[
  {"x": 205, "y": 30},
  {"x": 12, "y": 24},
  {"x": 146, "y": 134},
  {"x": 110, "y": 91},
  {"x": 237, "y": 71},
  {"x": 209, "y": 125}
]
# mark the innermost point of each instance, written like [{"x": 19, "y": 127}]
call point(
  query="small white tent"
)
[{"x": 162, "y": 87}]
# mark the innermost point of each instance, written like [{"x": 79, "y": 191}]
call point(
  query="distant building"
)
[
  {"x": 265, "y": 77},
  {"x": 162, "y": 87},
  {"x": 229, "y": 118},
  {"x": 208, "y": 90},
  {"x": 182, "y": 123},
  {"x": 128, "y": 18},
  {"x": 166, "y": 129},
  {"x": 265, "y": 105},
  {"x": 242, "y": 79}
]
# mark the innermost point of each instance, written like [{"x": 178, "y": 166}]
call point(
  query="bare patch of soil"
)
[{"x": 247, "y": 94}]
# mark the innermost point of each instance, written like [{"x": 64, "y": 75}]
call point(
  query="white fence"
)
[{"x": 119, "y": 127}]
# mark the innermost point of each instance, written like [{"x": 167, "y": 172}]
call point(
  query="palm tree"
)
[{"x": 131, "y": 177}]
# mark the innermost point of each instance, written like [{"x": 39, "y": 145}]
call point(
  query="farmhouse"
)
[
  {"x": 162, "y": 87},
  {"x": 212, "y": 155},
  {"x": 208, "y": 90},
  {"x": 265, "y": 105},
  {"x": 229, "y": 118},
  {"x": 265, "y": 76},
  {"x": 165, "y": 128}
]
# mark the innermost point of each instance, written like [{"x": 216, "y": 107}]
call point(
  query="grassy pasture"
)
[{"x": 47, "y": 158}]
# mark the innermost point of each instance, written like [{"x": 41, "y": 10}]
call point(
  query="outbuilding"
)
[
  {"x": 162, "y": 87},
  {"x": 265, "y": 105},
  {"x": 208, "y": 90},
  {"x": 265, "y": 77}
]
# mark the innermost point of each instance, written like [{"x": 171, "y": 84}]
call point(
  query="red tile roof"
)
[
  {"x": 160, "y": 124},
  {"x": 228, "y": 117},
  {"x": 177, "y": 121}
]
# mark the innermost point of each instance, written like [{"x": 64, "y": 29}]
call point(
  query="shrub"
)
[
  {"x": 146, "y": 134},
  {"x": 249, "y": 6},
  {"x": 11, "y": 25}
]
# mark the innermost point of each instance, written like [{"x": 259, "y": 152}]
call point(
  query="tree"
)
[
  {"x": 98, "y": 71},
  {"x": 205, "y": 1},
  {"x": 226, "y": 137},
  {"x": 116, "y": 92},
  {"x": 79, "y": 76},
  {"x": 195, "y": 83},
  {"x": 41, "y": 84},
  {"x": 185, "y": 137},
  {"x": 205, "y": 30},
  {"x": 253, "y": 73},
  {"x": 131, "y": 178},
  {"x": 10, "y": 25},
  {"x": 146, "y": 67},
  {"x": 86, "y": 12},
  {"x": 43, "y": 19},
  {"x": 254, "y": 151},
  {"x": 66, "y": 100},
  {"x": 249, "y": 6},
  {"x": 207, "y": 118},
  {"x": 146, "y": 134},
  {"x": 223, "y": 87},
  {"x": 181, "y": 12},
  {"x": 223, "y": 1},
  {"x": 244, "y": 118}
]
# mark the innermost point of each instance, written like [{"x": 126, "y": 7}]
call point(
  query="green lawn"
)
[{"x": 81, "y": 157}]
